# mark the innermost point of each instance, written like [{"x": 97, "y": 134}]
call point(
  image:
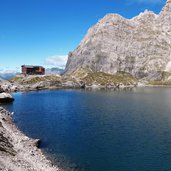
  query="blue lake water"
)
[{"x": 128, "y": 130}]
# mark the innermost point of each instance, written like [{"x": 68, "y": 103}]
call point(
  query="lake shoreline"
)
[{"x": 19, "y": 152}]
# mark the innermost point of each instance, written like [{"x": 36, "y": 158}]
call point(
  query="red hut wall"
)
[{"x": 33, "y": 70}]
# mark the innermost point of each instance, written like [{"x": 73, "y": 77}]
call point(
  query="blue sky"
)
[{"x": 42, "y": 32}]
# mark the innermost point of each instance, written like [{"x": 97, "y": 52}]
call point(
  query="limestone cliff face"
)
[{"x": 140, "y": 46}]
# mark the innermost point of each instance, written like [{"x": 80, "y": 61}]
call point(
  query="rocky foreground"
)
[{"x": 17, "y": 151}]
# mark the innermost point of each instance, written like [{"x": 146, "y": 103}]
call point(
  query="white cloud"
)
[
  {"x": 57, "y": 61},
  {"x": 9, "y": 71}
]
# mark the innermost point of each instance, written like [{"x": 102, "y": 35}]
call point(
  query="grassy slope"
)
[
  {"x": 90, "y": 77},
  {"x": 34, "y": 79},
  {"x": 163, "y": 81}
]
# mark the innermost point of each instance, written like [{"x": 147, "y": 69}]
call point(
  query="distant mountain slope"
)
[
  {"x": 54, "y": 71},
  {"x": 7, "y": 75},
  {"x": 140, "y": 46}
]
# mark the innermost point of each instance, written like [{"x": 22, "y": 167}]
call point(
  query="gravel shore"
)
[{"x": 19, "y": 152}]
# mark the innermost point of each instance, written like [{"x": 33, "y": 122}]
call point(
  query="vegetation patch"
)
[
  {"x": 16, "y": 79},
  {"x": 165, "y": 75},
  {"x": 101, "y": 78},
  {"x": 35, "y": 79},
  {"x": 164, "y": 81},
  {"x": 160, "y": 83}
]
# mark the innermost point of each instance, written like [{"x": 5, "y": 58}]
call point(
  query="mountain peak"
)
[
  {"x": 167, "y": 7},
  {"x": 139, "y": 46}
]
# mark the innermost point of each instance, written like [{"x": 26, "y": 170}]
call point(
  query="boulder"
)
[
  {"x": 1, "y": 90},
  {"x": 37, "y": 142},
  {"x": 6, "y": 98}
]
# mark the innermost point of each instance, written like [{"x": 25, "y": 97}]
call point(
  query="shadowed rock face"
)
[
  {"x": 6, "y": 146},
  {"x": 140, "y": 46},
  {"x": 6, "y": 98}
]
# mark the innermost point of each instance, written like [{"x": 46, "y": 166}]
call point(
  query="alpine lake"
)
[{"x": 99, "y": 130}]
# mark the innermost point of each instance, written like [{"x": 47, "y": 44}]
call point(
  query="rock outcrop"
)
[
  {"x": 6, "y": 98},
  {"x": 37, "y": 82},
  {"x": 140, "y": 46},
  {"x": 7, "y": 86}
]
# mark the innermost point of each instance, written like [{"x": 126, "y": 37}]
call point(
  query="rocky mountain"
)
[
  {"x": 54, "y": 71},
  {"x": 7, "y": 75},
  {"x": 140, "y": 46}
]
